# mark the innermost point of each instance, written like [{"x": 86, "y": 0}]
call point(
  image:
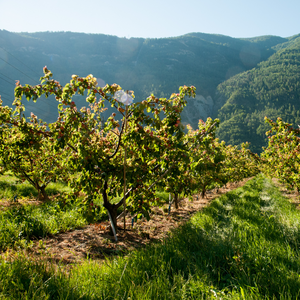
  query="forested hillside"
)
[
  {"x": 238, "y": 80},
  {"x": 142, "y": 65},
  {"x": 271, "y": 89}
]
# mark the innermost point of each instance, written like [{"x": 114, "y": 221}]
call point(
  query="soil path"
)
[{"x": 94, "y": 241}]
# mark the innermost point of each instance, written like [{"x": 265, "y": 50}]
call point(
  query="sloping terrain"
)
[
  {"x": 237, "y": 80},
  {"x": 271, "y": 89},
  {"x": 146, "y": 66}
]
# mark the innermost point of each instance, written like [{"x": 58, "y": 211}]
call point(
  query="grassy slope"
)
[{"x": 245, "y": 245}]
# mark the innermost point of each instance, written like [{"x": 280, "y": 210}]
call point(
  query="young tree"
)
[
  {"x": 181, "y": 177},
  {"x": 207, "y": 158},
  {"x": 95, "y": 148},
  {"x": 27, "y": 149},
  {"x": 281, "y": 159},
  {"x": 239, "y": 163}
]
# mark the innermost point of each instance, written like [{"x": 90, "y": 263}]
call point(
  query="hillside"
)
[
  {"x": 238, "y": 80},
  {"x": 271, "y": 89},
  {"x": 143, "y": 65}
]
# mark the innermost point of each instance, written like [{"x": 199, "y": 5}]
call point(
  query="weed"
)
[{"x": 245, "y": 245}]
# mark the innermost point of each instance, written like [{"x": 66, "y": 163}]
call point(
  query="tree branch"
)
[
  {"x": 119, "y": 142},
  {"x": 162, "y": 175}
]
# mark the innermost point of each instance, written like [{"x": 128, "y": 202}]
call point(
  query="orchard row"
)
[
  {"x": 282, "y": 156},
  {"x": 140, "y": 148}
]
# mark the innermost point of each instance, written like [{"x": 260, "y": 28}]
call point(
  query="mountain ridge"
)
[{"x": 159, "y": 66}]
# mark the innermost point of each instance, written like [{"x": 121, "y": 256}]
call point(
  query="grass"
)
[
  {"x": 10, "y": 187},
  {"x": 18, "y": 225},
  {"x": 245, "y": 245},
  {"x": 21, "y": 222}
]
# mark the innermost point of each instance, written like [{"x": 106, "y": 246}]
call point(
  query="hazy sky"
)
[{"x": 153, "y": 19}]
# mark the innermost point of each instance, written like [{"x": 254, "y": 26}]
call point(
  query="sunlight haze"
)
[{"x": 153, "y": 19}]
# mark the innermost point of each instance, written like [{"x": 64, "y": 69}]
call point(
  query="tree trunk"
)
[
  {"x": 111, "y": 208},
  {"x": 42, "y": 196},
  {"x": 203, "y": 193},
  {"x": 176, "y": 200}
]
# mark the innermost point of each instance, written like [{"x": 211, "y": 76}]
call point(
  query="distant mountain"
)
[
  {"x": 271, "y": 89},
  {"x": 143, "y": 65},
  {"x": 231, "y": 75}
]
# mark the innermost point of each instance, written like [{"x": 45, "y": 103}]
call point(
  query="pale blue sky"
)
[{"x": 153, "y": 19}]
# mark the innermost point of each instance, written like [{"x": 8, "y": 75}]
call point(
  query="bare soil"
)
[{"x": 95, "y": 242}]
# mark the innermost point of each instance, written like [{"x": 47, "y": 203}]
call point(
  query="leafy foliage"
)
[
  {"x": 90, "y": 153},
  {"x": 146, "y": 66},
  {"x": 282, "y": 155},
  {"x": 271, "y": 89}
]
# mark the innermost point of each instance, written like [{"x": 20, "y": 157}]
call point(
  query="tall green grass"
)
[
  {"x": 10, "y": 188},
  {"x": 20, "y": 223},
  {"x": 245, "y": 245}
]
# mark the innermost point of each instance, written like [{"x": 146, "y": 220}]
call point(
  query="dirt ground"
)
[{"x": 95, "y": 242}]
